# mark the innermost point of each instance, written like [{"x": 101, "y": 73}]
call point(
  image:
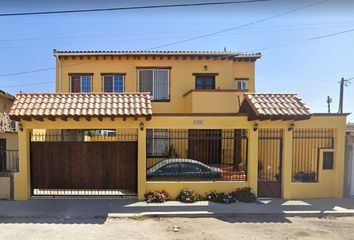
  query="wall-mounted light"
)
[
  {"x": 291, "y": 127},
  {"x": 205, "y": 67},
  {"x": 20, "y": 127},
  {"x": 255, "y": 127},
  {"x": 141, "y": 126}
]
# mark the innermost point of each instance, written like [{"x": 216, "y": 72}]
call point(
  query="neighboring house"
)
[
  {"x": 8, "y": 146},
  {"x": 128, "y": 122},
  {"x": 349, "y": 154}
]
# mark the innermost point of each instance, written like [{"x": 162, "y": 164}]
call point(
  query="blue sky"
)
[{"x": 312, "y": 69}]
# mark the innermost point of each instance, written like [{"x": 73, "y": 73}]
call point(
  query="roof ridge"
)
[
  {"x": 258, "y": 54},
  {"x": 276, "y": 106},
  {"x": 293, "y": 94},
  {"x": 76, "y": 105},
  {"x": 83, "y": 93},
  {"x": 150, "y": 51}
]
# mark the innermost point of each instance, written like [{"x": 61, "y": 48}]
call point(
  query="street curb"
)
[
  {"x": 183, "y": 215},
  {"x": 206, "y": 215}
]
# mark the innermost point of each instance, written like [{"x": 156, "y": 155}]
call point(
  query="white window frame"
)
[
  {"x": 84, "y": 75},
  {"x": 243, "y": 82},
  {"x": 112, "y": 75},
  {"x": 153, "y": 79}
]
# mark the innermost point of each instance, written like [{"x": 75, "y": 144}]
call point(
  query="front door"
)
[
  {"x": 269, "y": 163},
  {"x": 205, "y": 145}
]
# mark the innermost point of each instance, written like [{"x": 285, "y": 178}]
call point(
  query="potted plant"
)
[{"x": 172, "y": 153}]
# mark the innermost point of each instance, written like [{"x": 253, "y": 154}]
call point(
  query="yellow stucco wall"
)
[
  {"x": 213, "y": 101},
  {"x": 330, "y": 181},
  {"x": 181, "y": 77}
]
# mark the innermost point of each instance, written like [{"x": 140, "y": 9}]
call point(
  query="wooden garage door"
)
[{"x": 84, "y": 165}]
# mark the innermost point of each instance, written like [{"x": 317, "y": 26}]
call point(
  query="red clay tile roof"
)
[
  {"x": 52, "y": 105},
  {"x": 274, "y": 107},
  {"x": 231, "y": 54}
]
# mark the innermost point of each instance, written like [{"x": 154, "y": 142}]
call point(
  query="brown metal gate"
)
[
  {"x": 83, "y": 165},
  {"x": 270, "y": 144}
]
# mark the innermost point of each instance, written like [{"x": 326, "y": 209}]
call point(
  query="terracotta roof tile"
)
[
  {"x": 29, "y": 105},
  {"x": 276, "y": 106},
  {"x": 232, "y": 54}
]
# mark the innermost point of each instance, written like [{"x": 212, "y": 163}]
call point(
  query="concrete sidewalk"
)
[{"x": 103, "y": 208}]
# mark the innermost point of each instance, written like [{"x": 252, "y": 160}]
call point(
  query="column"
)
[
  {"x": 141, "y": 163},
  {"x": 339, "y": 159},
  {"x": 287, "y": 164},
  {"x": 252, "y": 168},
  {"x": 22, "y": 185}
]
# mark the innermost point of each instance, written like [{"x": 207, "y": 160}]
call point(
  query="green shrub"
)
[
  {"x": 157, "y": 197},
  {"x": 222, "y": 197},
  {"x": 188, "y": 196},
  {"x": 244, "y": 195}
]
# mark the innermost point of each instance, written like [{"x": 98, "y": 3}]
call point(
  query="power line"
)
[
  {"x": 29, "y": 84},
  {"x": 42, "y": 69},
  {"x": 261, "y": 29},
  {"x": 305, "y": 76},
  {"x": 26, "y": 72},
  {"x": 190, "y": 39},
  {"x": 140, "y": 39},
  {"x": 130, "y": 8},
  {"x": 228, "y": 55},
  {"x": 239, "y": 26},
  {"x": 202, "y": 36},
  {"x": 82, "y": 43},
  {"x": 302, "y": 41}
]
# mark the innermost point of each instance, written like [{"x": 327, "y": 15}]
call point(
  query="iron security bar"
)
[
  {"x": 84, "y": 135},
  {"x": 196, "y": 154},
  {"x": 307, "y": 144}
]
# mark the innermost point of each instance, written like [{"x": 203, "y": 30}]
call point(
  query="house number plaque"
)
[{"x": 198, "y": 122}]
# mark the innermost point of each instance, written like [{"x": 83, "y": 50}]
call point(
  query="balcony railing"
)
[{"x": 9, "y": 161}]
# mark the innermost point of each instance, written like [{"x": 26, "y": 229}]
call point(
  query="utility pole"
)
[
  {"x": 329, "y": 101},
  {"x": 343, "y": 83}
]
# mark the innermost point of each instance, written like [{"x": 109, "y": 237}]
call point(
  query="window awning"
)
[
  {"x": 38, "y": 106},
  {"x": 259, "y": 106}
]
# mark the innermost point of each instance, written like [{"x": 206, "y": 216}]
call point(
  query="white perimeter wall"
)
[{"x": 349, "y": 173}]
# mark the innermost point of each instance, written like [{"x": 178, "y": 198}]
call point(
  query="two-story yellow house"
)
[
  {"x": 128, "y": 122},
  {"x": 178, "y": 82}
]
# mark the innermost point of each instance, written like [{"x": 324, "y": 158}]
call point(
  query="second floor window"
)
[
  {"x": 113, "y": 83},
  {"x": 81, "y": 83},
  {"x": 155, "y": 81},
  {"x": 204, "y": 82},
  {"x": 241, "y": 84}
]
